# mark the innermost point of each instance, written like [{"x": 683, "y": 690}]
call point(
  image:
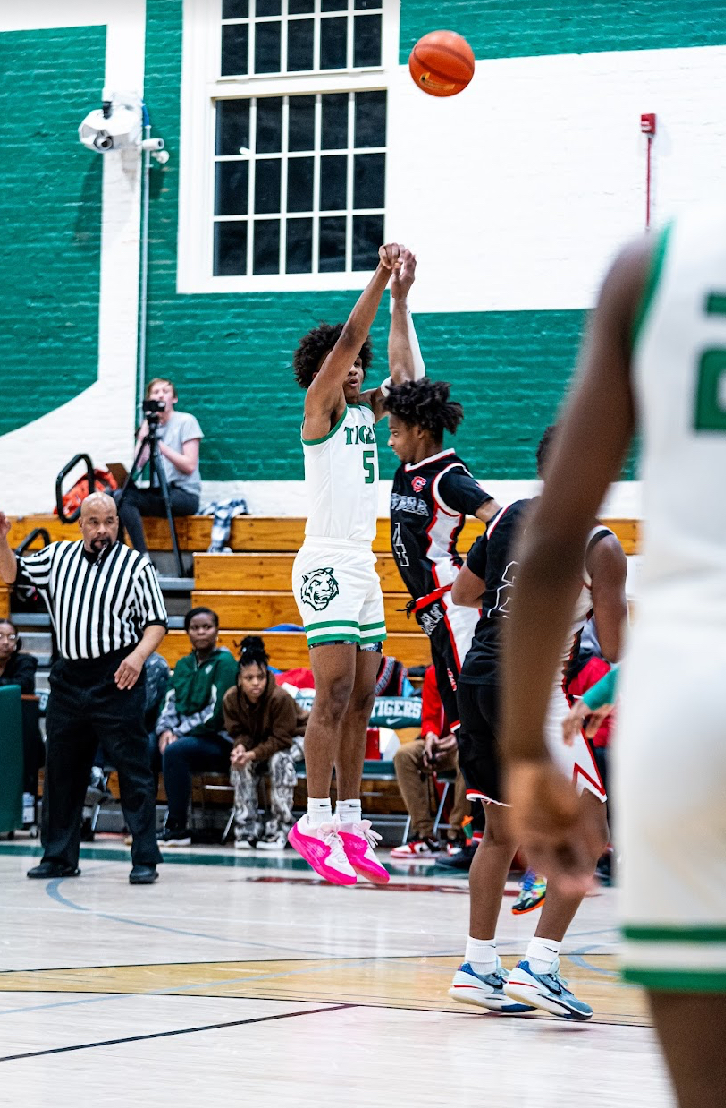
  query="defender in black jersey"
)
[{"x": 432, "y": 493}]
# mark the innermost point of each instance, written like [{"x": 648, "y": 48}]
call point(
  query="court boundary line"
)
[{"x": 171, "y": 1034}]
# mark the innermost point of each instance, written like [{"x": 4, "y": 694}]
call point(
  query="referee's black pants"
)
[{"x": 86, "y": 708}]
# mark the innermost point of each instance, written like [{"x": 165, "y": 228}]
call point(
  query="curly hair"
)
[
  {"x": 252, "y": 652},
  {"x": 313, "y": 347},
  {"x": 425, "y": 403},
  {"x": 545, "y": 448}
]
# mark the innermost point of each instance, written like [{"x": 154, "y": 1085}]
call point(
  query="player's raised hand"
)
[
  {"x": 551, "y": 825},
  {"x": 5, "y": 526},
  {"x": 405, "y": 276},
  {"x": 390, "y": 255}
]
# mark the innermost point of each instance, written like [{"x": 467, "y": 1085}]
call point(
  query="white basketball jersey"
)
[
  {"x": 341, "y": 479},
  {"x": 679, "y": 377}
]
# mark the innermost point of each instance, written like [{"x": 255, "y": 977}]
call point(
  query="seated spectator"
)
[
  {"x": 16, "y": 668},
  {"x": 178, "y": 436},
  {"x": 415, "y": 763},
  {"x": 190, "y": 725},
  {"x": 392, "y": 679},
  {"x": 263, "y": 722}
]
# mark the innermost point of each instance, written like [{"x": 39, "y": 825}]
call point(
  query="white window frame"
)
[{"x": 201, "y": 86}]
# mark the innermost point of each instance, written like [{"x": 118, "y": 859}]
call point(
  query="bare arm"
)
[
  {"x": 128, "y": 672},
  {"x": 324, "y": 402},
  {"x": 8, "y": 561},
  {"x": 467, "y": 589},
  {"x": 487, "y": 510},
  {"x": 608, "y": 568},
  {"x": 188, "y": 460}
]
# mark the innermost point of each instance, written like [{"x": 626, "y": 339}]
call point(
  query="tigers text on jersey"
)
[
  {"x": 679, "y": 377},
  {"x": 341, "y": 479},
  {"x": 430, "y": 501}
]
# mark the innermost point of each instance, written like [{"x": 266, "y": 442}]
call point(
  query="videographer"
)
[{"x": 178, "y": 435}]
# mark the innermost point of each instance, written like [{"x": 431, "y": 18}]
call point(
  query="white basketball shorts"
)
[
  {"x": 577, "y": 762},
  {"x": 338, "y": 593}
]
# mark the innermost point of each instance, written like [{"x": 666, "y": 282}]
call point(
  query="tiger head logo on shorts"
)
[{"x": 319, "y": 588}]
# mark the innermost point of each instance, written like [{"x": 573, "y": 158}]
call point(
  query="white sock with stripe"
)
[
  {"x": 481, "y": 954},
  {"x": 542, "y": 954},
  {"x": 349, "y": 811},
  {"x": 320, "y": 810}
]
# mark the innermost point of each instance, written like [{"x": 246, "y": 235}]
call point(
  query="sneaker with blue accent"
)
[
  {"x": 531, "y": 893},
  {"x": 547, "y": 991},
  {"x": 486, "y": 990}
]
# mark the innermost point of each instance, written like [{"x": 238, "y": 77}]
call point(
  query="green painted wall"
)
[
  {"x": 50, "y": 210},
  {"x": 230, "y": 355},
  {"x": 505, "y": 29}
]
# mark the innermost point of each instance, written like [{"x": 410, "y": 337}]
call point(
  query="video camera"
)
[{"x": 153, "y": 407}]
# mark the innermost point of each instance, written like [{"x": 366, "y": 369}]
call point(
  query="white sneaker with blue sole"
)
[
  {"x": 547, "y": 991},
  {"x": 485, "y": 990}
]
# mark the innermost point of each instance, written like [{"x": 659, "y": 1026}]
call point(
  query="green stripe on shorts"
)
[
  {"x": 677, "y": 981},
  {"x": 332, "y": 623},
  {"x": 693, "y": 933},
  {"x": 342, "y": 636}
]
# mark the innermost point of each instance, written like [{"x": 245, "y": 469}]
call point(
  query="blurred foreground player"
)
[{"x": 656, "y": 345}]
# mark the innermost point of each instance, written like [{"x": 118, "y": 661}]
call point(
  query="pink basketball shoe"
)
[
  {"x": 322, "y": 848},
  {"x": 359, "y": 843}
]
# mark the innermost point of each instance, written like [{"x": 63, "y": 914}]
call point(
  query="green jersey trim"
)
[
  {"x": 694, "y": 933},
  {"x": 677, "y": 981},
  {"x": 651, "y": 285},
  {"x": 331, "y": 432}
]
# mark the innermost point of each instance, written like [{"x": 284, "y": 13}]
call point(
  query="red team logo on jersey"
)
[{"x": 418, "y": 483}]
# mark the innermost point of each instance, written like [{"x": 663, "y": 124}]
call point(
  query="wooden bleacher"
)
[{"x": 250, "y": 588}]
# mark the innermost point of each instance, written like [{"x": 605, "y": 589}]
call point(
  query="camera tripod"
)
[{"x": 157, "y": 479}]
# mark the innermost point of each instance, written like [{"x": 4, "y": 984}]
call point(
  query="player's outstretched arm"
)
[
  {"x": 404, "y": 362},
  {"x": 324, "y": 399}
]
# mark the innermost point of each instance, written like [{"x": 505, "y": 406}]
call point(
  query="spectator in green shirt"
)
[{"x": 191, "y": 722}]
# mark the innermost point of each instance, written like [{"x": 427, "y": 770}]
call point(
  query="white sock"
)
[
  {"x": 349, "y": 811},
  {"x": 320, "y": 810},
  {"x": 542, "y": 954},
  {"x": 481, "y": 954}
]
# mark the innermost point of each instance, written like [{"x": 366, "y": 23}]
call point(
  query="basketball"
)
[{"x": 442, "y": 63}]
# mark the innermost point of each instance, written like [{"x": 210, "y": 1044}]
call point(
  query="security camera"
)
[{"x": 115, "y": 126}]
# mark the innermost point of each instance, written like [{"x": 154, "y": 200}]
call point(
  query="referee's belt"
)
[{"x": 424, "y": 601}]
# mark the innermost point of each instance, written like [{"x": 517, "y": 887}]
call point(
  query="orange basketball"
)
[{"x": 442, "y": 63}]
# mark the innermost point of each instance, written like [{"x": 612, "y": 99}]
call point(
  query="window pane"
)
[
  {"x": 335, "y": 122},
  {"x": 233, "y": 126},
  {"x": 234, "y": 9},
  {"x": 267, "y": 246},
  {"x": 267, "y": 186},
  {"x": 299, "y": 246},
  {"x": 369, "y": 177},
  {"x": 268, "y": 47},
  {"x": 367, "y": 237},
  {"x": 333, "y": 173},
  {"x": 367, "y": 40},
  {"x": 302, "y": 123},
  {"x": 300, "y": 44},
  {"x": 331, "y": 258},
  {"x": 300, "y": 184},
  {"x": 268, "y": 7},
  {"x": 333, "y": 43},
  {"x": 334, "y": 5},
  {"x": 368, "y": 5},
  {"x": 231, "y": 190},
  {"x": 300, "y": 7},
  {"x": 234, "y": 50},
  {"x": 230, "y": 249},
  {"x": 269, "y": 125},
  {"x": 370, "y": 119}
]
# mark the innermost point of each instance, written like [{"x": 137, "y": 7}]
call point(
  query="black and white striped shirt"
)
[{"x": 97, "y": 606}]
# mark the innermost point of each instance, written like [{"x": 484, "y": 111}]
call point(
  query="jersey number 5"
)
[
  {"x": 710, "y": 402},
  {"x": 369, "y": 465}
]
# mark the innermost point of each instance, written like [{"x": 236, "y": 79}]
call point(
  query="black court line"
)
[{"x": 172, "y": 1034}]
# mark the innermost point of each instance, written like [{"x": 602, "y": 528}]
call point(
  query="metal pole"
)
[{"x": 144, "y": 272}]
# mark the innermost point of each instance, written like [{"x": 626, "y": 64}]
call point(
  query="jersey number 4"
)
[{"x": 710, "y": 402}]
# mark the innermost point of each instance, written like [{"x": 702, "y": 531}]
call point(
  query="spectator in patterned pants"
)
[{"x": 266, "y": 728}]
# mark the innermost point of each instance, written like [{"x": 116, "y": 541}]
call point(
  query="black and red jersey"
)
[{"x": 430, "y": 501}]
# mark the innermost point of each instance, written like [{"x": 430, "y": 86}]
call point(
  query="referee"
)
[{"x": 108, "y": 615}]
